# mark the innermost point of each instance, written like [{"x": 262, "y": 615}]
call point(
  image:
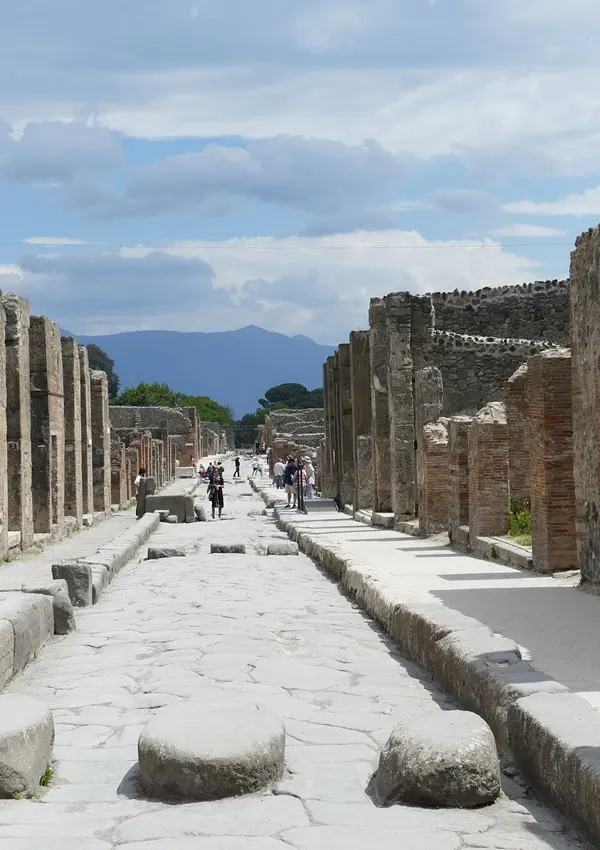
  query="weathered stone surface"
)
[
  {"x": 189, "y": 752},
  {"x": 200, "y": 513},
  {"x": 282, "y": 548},
  {"x": 488, "y": 472},
  {"x": 32, "y": 621},
  {"x": 443, "y": 759},
  {"x": 26, "y": 740},
  {"x": 227, "y": 548},
  {"x": 257, "y": 513},
  {"x": 157, "y": 552},
  {"x": 7, "y": 652},
  {"x": 172, "y": 519},
  {"x": 62, "y": 607},
  {"x": 181, "y": 506},
  {"x": 79, "y": 581}
]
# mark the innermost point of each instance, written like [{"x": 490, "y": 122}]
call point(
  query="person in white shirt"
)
[
  {"x": 136, "y": 484},
  {"x": 278, "y": 471}
]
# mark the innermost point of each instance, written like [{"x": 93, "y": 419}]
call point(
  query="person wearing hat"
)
[{"x": 310, "y": 477}]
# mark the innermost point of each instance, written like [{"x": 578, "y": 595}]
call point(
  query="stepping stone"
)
[
  {"x": 156, "y": 552},
  {"x": 26, "y": 740},
  {"x": 285, "y": 547},
  {"x": 79, "y": 582},
  {"x": 190, "y": 752},
  {"x": 200, "y": 513},
  {"x": 445, "y": 758},
  {"x": 227, "y": 549}
]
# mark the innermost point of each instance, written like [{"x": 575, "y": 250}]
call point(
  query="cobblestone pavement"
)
[{"x": 230, "y": 629}]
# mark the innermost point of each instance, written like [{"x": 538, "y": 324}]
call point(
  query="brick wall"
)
[
  {"x": 488, "y": 472},
  {"x": 516, "y": 402}
]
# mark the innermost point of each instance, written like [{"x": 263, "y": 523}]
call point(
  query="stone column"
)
[
  {"x": 552, "y": 482},
  {"x": 436, "y": 478},
  {"x": 47, "y": 426},
  {"x": 87, "y": 478},
  {"x": 378, "y": 353},
  {"x": 401, "y": 405},
  {"x": 429, "y": 401},
  {"x": 18, "y": 417},
  {"x": 516, "y": 402},
  {"x": 488, "y": 472},
  {"x": 346, "y": 433},
  {"x": 118, "y": 472},
  {"x": 3, "y": 451},
  {"x": 73, "y": 448},
  {"x": 360, "y": 377},
  {"x": 458, "y": 470},
  {"x": 336, "y": 459},
  {"x": 100, "y": 441},
  {"x": 585, "y": 354},
  {"x": 326, "y": 479}
]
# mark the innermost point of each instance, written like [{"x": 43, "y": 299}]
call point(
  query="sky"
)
[{"x": 199, "y": 165}]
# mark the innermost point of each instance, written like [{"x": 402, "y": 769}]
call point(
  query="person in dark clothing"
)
[
  {"x": 210, "y": 471},
  {"x": 215, "y": 492},
  {"x": 288, "y": 480},
  {"x": 237, "y": 462}
]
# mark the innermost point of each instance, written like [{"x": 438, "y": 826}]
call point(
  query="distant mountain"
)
[{"x": 232, "y": 367}]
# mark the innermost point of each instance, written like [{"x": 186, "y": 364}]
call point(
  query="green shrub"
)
[{"x": 519, "y": 522}]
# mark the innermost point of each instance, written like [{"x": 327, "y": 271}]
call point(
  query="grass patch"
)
[
  {"x": 519, "y": 523},
  {"x": 47, "y": 777}
]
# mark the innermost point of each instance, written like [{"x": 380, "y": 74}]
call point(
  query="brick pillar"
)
[
  {"x": 552, "y": 482},
  {"x": 585, "y": 354},
  {"x": 346, "y": 433},
  {"x": 100, "y": 441},
  {"x": 458, "y": 470},
  {"x": 517, "y": 415},
  {"x": 18, "y": 417},
  {"x": 401, "y": 405},
  {"x": 336, "y": 465},
  {"x": 429, "y": 402},
  {"x": 3, "y": 447},
  {"x": 488, "y": 472},
  {"x": 118, "y": 471},
  {"x": 72, "y": 407},
  {"x": 378, "y": 352},
  {"x": 133, "y": 464},
  {"x": 436, "y": 478},
  {"x": 360, "y": 378},
  {"x": 47, "y": 426},
  {"x": 87, "y": 477}
]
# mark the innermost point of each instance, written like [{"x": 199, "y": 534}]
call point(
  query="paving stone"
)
[
  {"x": 26, "y": 739},
  {"x": 340, "y": 838},
  {"x": 439, "y": 759},
  {"x": 189, "y": 752},
  {"x": 227, "y": 548}
]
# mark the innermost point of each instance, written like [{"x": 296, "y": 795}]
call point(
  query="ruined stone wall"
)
[
  {"x": 294, "y": 432},
  {"x": 177, "y": 421},
  {"x": 475, "y": 368},
  {"x": 537, "y": 310}
]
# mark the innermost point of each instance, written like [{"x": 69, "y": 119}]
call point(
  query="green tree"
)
[
  {"x": 99, "y": 359},
  {"x": 293, "y": 396},
  {"x": 146, "y": 395},
  {"x": 208, "y": 409}
]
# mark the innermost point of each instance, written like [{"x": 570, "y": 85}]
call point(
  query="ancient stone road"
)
[{"x": 230, "y": 629}]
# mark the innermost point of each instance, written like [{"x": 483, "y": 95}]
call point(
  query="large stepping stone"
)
[
  {"x": 282, "y": 547},
  {"x": 439, "y": 759},
  {"x": 227, "y": 549},
  {"x": 157, "y": 552},
  {"x": 26, "y": 740},
  {"x": 190, "y": 752}
]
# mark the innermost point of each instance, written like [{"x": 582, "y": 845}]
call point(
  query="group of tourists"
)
[
  {"x": 216, "y": 482},
  {"x": 294, "y": 476}
]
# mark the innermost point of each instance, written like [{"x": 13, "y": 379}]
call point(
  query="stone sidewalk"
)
[
  {"x": 37, "y": 568},
  {"x": 251, "y": 630}
]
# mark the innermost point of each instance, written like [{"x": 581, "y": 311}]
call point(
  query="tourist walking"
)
[
  {"x": 215, "y": 492},
  {"x": 288, "y": 479},
  {"x": 300, "y": 481},
  {"x": 255, "y": 465},
  {"x": 310, "y": 478},
  {"x": 210, "y": 471},
  {"x": 278, "y": 471},
  {"x": 237, "y": 462}
]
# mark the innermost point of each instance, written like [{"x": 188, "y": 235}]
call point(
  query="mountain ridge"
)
[{"x": 233, "y": 367}]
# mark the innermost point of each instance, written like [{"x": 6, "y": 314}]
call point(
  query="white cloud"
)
[
  {"x": 526, "y": 231},
  {"x": 54, "y": 240},
  {"x": 577, "y": 203}
]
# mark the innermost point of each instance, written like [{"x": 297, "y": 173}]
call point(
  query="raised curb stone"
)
[
  {"x": 446, "y": 759},
  {"x": 189, "y": 752},
  {"x": 32, "y": 620},
  {"x": 62, "y": 607},
  {"x": 26, "y": 741},
  {"x": 79, "y": 582},
  {"x": 227, "y": 549}
]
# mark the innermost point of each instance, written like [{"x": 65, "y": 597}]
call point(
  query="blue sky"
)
[{"x": 193, "y": 165}]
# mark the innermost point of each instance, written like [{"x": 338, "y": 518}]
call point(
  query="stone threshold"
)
[{"x": 551, "y": 734}]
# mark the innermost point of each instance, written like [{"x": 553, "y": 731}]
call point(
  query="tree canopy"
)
[
  {"x": 292, "y": 395},
  {"x": 161, "y": 395},
  {"x": 99, "y": 359}
]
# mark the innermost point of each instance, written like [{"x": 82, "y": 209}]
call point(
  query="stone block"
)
[
  {"x": 172, "y": 519},
  {"x": 32, "y": 620},
  {"x": 446, "y": 759},
  {"x": 157, "y": 552},
  {"x": 7, "y": 652},
  {"x": 181, "y": 506},
  {"x": 191, "y": 752},
  {"x": 282, "y": 548},
  {"x": 201, "y": 513},
  {"x": 227, "y": 549},
  {"x": 62, "y": 607},
  {"x": 79, "y": 582},
  {"x": 26, "y": 741}
]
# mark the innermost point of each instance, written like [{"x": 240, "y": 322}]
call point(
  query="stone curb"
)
[
  {"x": 110, "y": 559},
  {"x": 26, "y": 623},
  {"x": 552, "y": 734}
]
